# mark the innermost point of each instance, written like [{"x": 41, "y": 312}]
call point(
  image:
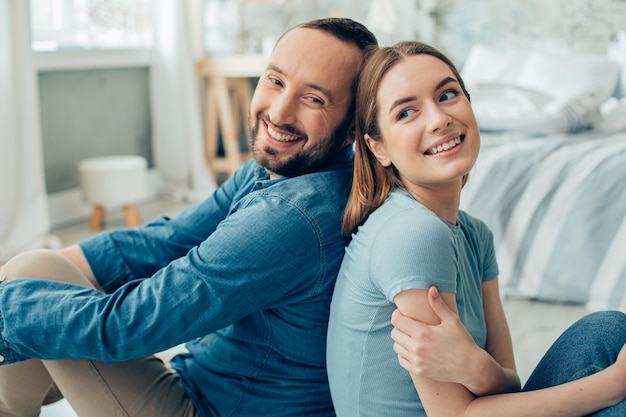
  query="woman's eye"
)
[
  {"x": 447, "y": 95},
  {"x": 405, "y": 113}
]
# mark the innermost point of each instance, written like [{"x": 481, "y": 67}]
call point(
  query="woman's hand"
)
[{"x": 442, "y": 352}]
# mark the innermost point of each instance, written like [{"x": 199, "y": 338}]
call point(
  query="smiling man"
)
[
  {"x": 301, "y": 113},
  {"x": 245, "y": 278}
]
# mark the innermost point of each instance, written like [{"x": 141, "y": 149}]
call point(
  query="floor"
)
[{"x": 534, "y": 326}]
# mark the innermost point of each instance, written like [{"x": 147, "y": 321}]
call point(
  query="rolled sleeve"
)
[
  {"x": 7, "y": 354},
  {"x": 119, "y": 256}
]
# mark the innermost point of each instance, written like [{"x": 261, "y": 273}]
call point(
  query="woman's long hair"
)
[{"x": 372, "y": 182}]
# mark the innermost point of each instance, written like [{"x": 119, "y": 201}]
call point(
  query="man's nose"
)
[{"x": 283, "y": 109}]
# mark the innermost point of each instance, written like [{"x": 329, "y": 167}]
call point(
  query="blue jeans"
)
[{"x": 588, "y": 346}]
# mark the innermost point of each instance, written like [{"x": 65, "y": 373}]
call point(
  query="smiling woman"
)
[{"x": 418, "y": 286}]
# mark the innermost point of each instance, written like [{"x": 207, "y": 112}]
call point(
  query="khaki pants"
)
[{"x": 143, "y": 387}]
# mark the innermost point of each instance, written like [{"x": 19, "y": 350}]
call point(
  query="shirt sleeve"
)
[
  {"x": 264, "y": 253},
  {"x": 480, "y": 241},
  {"x": 119, "y": 256},
  {"x": 490, "y": 266},
  {"x": 413, "y": 249}
]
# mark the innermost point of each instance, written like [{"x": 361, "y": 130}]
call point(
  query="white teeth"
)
[
  {"x": 281, "y": 137},
  {"x": 445, "y": 146}
]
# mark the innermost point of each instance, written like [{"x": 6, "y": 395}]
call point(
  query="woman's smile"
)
[{"x": 446, "y": 145}]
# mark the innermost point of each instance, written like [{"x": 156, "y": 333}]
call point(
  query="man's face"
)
[{"x": 299, "y": 112}]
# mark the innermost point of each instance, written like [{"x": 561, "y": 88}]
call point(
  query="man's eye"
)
[
  {"x": 449, "y": 94},
  {"x": 276, "y": 81},
  {"x": 316, "y": 100}
]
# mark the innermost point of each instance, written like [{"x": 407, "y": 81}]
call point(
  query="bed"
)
[{"x": 550, "y": 181}]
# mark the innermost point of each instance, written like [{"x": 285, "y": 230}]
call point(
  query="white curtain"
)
[
  {"x": 24, "y": 220},
  {"x": 176, "y": 99}
]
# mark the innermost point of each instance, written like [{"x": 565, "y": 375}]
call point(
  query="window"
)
[{"x": 90, "y": 24}]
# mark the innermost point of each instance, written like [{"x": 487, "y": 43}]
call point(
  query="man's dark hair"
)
[
  {"x": 349, "y": 31},
  {"x": 345, "y": 29}
]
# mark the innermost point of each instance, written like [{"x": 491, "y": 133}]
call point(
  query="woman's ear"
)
[{"x": 377, "y": 148}]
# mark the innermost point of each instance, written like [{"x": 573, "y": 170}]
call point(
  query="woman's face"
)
[{"x": 428, "y": 127}]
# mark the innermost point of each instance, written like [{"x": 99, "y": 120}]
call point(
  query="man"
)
[{"x": 245, "y": 277}]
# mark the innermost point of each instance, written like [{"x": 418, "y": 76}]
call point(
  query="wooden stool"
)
[{"x": 113, "y": 181}]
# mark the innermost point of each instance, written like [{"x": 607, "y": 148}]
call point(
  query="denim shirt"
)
[{"x": 245, "y": 278}]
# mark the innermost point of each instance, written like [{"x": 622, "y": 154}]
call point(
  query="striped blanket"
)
[{"x": 557, "y": 208}]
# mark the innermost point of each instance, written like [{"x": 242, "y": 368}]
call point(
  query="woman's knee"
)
[
  {"x": 587, "y": 346},
  {"x": 602, "y": 323},
  {"x": 42, "y": 264},
  {"x": 602, "y": 331}
]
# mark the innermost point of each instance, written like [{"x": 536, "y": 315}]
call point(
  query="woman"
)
[{"x": 417, "y": 140}]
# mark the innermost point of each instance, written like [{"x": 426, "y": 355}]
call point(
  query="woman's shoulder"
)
[
  {"x": 477, "y": 233},
  {"x": 473, "y": 224},
  {"x": 401, "y": 216}
]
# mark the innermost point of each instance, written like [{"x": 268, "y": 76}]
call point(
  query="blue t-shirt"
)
[{"x": 401, "y": 246}]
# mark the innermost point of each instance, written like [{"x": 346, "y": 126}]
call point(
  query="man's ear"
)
[
  {"x": 377, "y": 148},
  {"x": 351, "y": 136}
]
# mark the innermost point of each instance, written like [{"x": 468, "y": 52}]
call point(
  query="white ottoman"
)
[{"x": 113, "y": 181}]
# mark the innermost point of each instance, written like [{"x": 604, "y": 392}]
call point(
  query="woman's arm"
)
[
  {"x": 446, "y": 351},
  {"x": 577, "y": 398},
  {"x": 499, "y": 367}
]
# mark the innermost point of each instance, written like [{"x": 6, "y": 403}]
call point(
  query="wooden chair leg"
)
[
  {"x": 97, "y": 218},
  {"x": 131, "y": 214}
]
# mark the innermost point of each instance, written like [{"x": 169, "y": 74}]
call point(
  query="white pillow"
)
[
  {"x": 613, "y": 112},
  {"x": 567, "y": 75},
  {"x": 506, "y": 101},
  {"x": 617, "y": 52},
  {"x": 537, "y": 92},
  {"x": 502, "y": 107},
  {"x": 487, "y": 65}
]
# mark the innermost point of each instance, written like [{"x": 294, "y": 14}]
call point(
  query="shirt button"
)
[{"x": 1, "y": 358}]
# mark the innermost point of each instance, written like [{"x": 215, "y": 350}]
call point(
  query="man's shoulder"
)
[
  {"x": 335, "y": 178},
  {"x": 317, "y": 189}
]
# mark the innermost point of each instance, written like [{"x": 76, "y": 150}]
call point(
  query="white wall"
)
[
  {"x": 583, "y": 25},
  {"x": 579, "y": 25}
]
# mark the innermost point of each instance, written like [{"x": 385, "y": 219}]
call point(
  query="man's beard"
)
[{"x": 306, "y": 160}]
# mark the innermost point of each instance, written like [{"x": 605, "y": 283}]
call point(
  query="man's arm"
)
[
  {"x": 245, "y": 265},
  {"x": 114, "y": 258}
]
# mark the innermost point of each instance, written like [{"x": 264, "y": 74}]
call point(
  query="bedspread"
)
[{"x": 557, "y": 207}]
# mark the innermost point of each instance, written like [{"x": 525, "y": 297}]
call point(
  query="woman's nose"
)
[{"x": 438, "y": 119}]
